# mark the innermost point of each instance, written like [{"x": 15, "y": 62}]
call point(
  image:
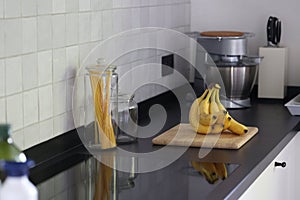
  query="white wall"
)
[
  {"x": 42, "y": 44},
  {"x": 252, "y": 16}
]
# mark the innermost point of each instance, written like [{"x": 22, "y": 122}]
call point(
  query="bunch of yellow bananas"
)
[
  {"x": 211, "y": 171},
  {"x": 208, "y": 115}
]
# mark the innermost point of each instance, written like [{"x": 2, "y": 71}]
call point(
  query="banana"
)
[
  {"x": 199, "y": 128},
  {"x": 207, "y": 119},
  {"x": 220, "y": 105},
  {"x": 237, "y": 127},
  {"x": 230, "y": 123},
  {"x": 204, "y": 104},
  {"x": 213, "y": 107},
  {"x": 207, "y": 169},
  {"x": 221, "y": 170},
  {"x": 195, "y": 111},
  {"x": 217, "y": 129},
  {"x": 208, "y": 115},
  {"x": 227, "y": 121},
  {"x": 221, "y": 117}
]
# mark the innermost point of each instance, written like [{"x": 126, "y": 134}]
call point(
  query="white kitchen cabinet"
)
[{"x": 278, "y": 182}]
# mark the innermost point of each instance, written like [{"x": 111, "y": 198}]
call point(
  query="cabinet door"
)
[
  {"x": 276, "y": 182},
  {"x": 296, "y": 168}
]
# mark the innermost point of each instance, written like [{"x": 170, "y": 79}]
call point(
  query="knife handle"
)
[
  {"x": 270, "y": 29},
  {"x": 278, "y": 31}
]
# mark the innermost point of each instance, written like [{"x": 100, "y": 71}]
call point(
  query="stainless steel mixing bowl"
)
[{"x": 238, "y": 80}]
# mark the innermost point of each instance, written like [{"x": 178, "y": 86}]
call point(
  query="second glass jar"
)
[{"x": 127, "y": 119}]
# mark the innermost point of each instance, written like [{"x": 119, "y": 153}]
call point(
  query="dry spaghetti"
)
[{"x": 104, "y": 132}]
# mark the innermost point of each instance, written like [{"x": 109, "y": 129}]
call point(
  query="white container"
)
[
  {"x": 17, "y": 185},
  {"x": 294, "y": 105},
  {"x": 272, "y": 74}
]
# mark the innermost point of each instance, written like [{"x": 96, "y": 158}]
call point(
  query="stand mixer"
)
[{"x": 228, "y": 49}]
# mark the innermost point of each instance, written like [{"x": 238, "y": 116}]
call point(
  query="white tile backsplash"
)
[
  {"x": 12, "y": 8},
  {"x": 14, "y": 106},
  {"x": 117, "y": 20},
  {"x": 29, "y": 8},
  {"x": 60, "y": 124},
  {"x": 2, "y": 38},
  {"x": 84, "y": 28},
  {"x": 30, "y": 71},
  {"x": 106, "y": 4},
  {"x": 13, "y": 37},
  {"x": 2, "y": 110},
  {"x": 72, "y": 6},
  {"x": 84, "y": 5},
  {"x": 30, "y": 107},
  {"x": 127, "y": 3},
  {"x": 44, "y": 42},
  {"x": 145, "y": 16},
  {"x": 46, "y": 129},
  {"x": 31, "y": 135},
  {"x": 96, "y": 26},
  {"x": 63, "y": 123},
  {"x": 107, "y": 23},
  {"x": 1, "y": 9},
  {"x": 44, "y": 67},
  {"x": 72, "y": 29},
  {"x": 70, "y": 87},
  {"x": 84, "y": 50},
  {"x": 179, "y": 16},
  {"x": 187, "y": 14},
  {"x": 136, "y": 3},
  {"x": 59, "y": 64},
  {"x": 44, "y": 7},
  {"x": 135, "y": 17},
  {"x": 29, "y": 35},
  {"x": 45, "y": 102},
  {"x": 18, "y": 137},
  {"x": 2, "y": 78},
  {"x": 170, "y": 16},
  {"x": 95, "y": 5},
  {"x": 147, "y": 2},
  {"x": 116, "y": 3},
  {"x": 154, "y": 16},
  {"x": 72, "y": 61},
  {"x": 120, "y": 19},
  {"x": 58, "y": 31},
  {"x": 59, "y": 98},
  {"x": 13, "y": 75},
  {"x": 69, "y": 121},
  {"x": 44, "y": 32},
  {"x": 125, "y": 79},
  {"x": 58, "y": 6}
]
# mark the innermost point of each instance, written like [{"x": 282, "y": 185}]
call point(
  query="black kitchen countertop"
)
[{"x": 276, "y": 128}]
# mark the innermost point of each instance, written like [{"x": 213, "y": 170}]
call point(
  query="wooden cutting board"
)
[{"x": 184, "y": 135}]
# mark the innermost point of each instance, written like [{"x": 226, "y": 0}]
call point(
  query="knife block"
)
[{"x": 272, "y": 72}]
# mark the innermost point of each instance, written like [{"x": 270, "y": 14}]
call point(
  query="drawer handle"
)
[{"x": 280, "y": 164}]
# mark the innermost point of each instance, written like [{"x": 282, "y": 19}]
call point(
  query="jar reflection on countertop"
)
[{"x": 127, "y": 119}]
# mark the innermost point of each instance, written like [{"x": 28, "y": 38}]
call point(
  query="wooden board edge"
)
[{"x": 233, "y": 147}]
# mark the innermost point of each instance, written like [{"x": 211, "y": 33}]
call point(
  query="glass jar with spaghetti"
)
[{"x": 101, "y": 113}]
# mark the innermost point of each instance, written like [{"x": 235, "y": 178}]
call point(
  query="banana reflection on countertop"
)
[{"x": 211, "y": 171}]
